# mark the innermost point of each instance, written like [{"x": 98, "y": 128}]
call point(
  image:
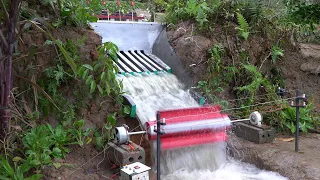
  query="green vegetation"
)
[
  {"x": 307, "y": 121},
  {"x": 42, "y": 95},
  {"x": 250, "y": 77},
  {"x": 104, "y": 81},
  {"x": 18, "y": 171},
  {"x": 243, "y": 29}
]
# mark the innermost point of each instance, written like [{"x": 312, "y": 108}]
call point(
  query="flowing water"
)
[
  {"x": 206, "y": 162},
  {"x": 153, "y": 92}
]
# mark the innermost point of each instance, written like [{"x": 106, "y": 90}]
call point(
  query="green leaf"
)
[
  {"x": 100, "y": 89},
  {"x": 89, "y": 140},
  {"x": 245, "y": 35},
  {"x": 88, "y": 66},
  {"x": 243, "y": 22},
  {"x": 93, "y": 86},
  {"x": 293, "y": 127},
  {"x": 35, "y": 162},
  {"x": 78, "y": 124},
  {"x": 4, "y": 178},
  {"x": 108, "y": 89},
  {"x": 56, "y": 151},
  {"x": 192, "y": 7},
  {"x": 56, "y": 165},
  {"x": 97, "y": 66},
  {"x": 6, "y": 166},
  {"x": 17, "y": 159},
  {"x": 92, "y": 19},
  {"x": 34, "y": 177},
  {"x": 103, "y": 74},
  {"x": 112, "y": 119},
  {"x": 85, "y": 74},
  {"x": 126, "y": 109},
  {"x": 89, "y": 80},
  {"x": 48, "y": 42}
]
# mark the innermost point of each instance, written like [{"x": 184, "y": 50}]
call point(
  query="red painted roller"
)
[
  {"x": 190, "y": 126},
  {"x": 192, "y": 140}
]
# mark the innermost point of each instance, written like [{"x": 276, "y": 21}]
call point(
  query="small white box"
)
[{"x": 135, "y": 171}]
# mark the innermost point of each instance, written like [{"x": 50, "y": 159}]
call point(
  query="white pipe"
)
[
  {"x": 135, "y": 133},
  {"x": 240, "y": 120}
]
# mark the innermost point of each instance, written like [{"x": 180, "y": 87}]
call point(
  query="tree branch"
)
[
  {"x": 6, "y": 14},
  {"x": 4, "y": 40}
]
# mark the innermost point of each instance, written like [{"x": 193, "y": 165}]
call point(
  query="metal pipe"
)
[
  {"x": 297, "y": 120},
  {"x": 240, "y": 120},
  {"x": 138, "y": 132},
  {"x": 158, "y": 145}
]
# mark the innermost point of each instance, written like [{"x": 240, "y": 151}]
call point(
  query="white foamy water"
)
[
  {"x": 153, "y": 92},
  {"x": 232, "y": 170},
  {"x": 204, "y": 162}
]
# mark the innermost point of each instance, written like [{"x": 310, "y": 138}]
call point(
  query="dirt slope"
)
[{"x": 300, "y": 68}]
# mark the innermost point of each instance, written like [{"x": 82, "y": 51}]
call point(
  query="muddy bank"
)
[{"x": 280, "y": 156}]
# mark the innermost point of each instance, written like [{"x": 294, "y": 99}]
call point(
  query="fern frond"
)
[{"x": 243, "y": 22}]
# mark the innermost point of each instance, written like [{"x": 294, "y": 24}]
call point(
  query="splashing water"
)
[
  {"x": 151, "y": 93},
  {"x": 233, "y": 170}
]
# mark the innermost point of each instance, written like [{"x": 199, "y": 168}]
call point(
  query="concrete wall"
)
[
  {"x": 128, "y": 35},
  {"x": 164, "y": 51},
  {"x": 148, "y": 36}
]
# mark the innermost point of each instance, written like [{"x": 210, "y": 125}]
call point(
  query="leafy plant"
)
[
  {"x": 253, "y": 79},
  {"x": 214, "y": 62},
  {"x": 80, "y": 136},
  {"x": 38, "y": 143},
  {"x": 102, "y": 75},
  {"x": 18, "y": 171},
  {"x": 209, "y": 92},
  {"x": 56, "y": 75},
  {"x": 175, "y": 11},
  {"x": 197, "y": 10},
  {"x": 106, "y": 133},
  {"x": 306, "y": 121},
  {"x": 61, "y": 140},
  {"x": 303, "y": 13},
  {"x": 111, "y": 122},
  {"x": 78, "y": 13},
  {"x": 276, "y": 53},
  {"x": 243, "y": 29},
  {"x": 43, "y": 143},
  {"x": 192, "y": 9}
]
